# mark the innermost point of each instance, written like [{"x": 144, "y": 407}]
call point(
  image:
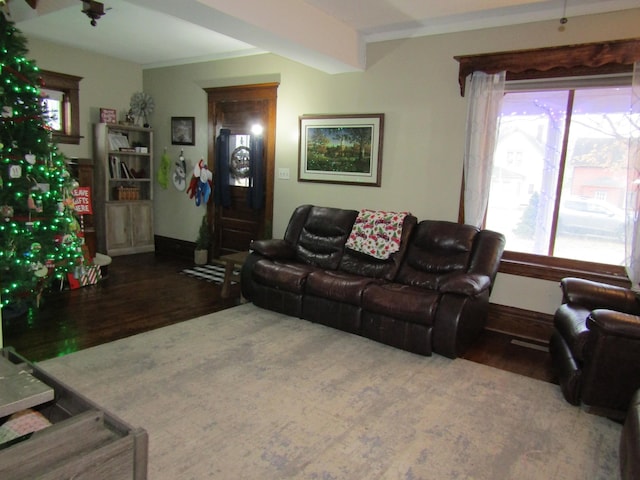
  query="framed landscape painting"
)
[{"x": 341, "y": 149}]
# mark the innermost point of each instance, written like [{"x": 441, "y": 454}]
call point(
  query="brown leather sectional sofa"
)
[{"x": 430, "y": 296}]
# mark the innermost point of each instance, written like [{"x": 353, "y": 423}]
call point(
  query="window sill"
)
[
  {"x": 555, "y": 269},
  {"x": 68, "y": 139}
]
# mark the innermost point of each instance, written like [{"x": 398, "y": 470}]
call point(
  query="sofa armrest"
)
[
  {"x": 614, "y": 323},
  {"x": 274, "y": 248},
  {"x": 592, "y": 295},
  {"x": 470, "y": 284}
]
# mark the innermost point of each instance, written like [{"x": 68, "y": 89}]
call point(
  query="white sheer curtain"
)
[
  {"x": 483, "y": 117},
  {"x": 633, "y": 181}
]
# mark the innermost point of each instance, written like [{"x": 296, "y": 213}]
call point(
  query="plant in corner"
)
[{"x": 203, "y": 242}]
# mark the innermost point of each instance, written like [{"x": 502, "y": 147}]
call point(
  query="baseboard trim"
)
[
  {"x": 520, "y": 323},
  {"x": 174, "y": 247},
  {"x": 530, "y": 344}
]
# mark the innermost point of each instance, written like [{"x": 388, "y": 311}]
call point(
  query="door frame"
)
[{"x": 264, "y": 92}]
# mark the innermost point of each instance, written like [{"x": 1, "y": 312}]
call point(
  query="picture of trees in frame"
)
[{"x": 341, "y": 149}]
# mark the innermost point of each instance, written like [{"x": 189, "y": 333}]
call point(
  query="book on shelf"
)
[
  {"x": 114, "y": 168},
  {"x": 126, "y": 173},
  {"x": 118, "y": 140},
  {"x": 118, "y": 169}
]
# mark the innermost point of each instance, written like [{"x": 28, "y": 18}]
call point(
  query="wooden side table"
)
[
  {"x": 230, "y": 262},
  {"x": 19, "y": 389},
  {"x": 83, "y": 440}
]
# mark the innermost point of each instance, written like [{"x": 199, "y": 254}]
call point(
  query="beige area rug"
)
[{"x": 250, "y": 394}]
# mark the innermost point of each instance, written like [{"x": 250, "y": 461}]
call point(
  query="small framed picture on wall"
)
[
  {"x": 183, "y": 130},
  {"x": 108, "y": 115}
]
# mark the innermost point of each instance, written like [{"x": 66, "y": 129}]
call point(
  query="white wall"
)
[{"x": 106, "y": 82}]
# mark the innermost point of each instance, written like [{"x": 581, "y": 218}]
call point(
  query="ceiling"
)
[{"x": 330, "y": 35}]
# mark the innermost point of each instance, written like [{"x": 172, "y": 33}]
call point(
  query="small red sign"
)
[{"x": 82, "y": 200}]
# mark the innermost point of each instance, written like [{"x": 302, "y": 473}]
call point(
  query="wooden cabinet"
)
[
  {"x": 129, "y": 227},
  {"x": 124, "y": 188}
]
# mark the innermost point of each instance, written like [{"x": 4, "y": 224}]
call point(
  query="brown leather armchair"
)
[
  {"x": 595, "y": 346},
  {"x": 630, "y": 442}
]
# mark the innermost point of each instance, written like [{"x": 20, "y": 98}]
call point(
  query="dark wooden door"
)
[{"x": 239, "y": 109}]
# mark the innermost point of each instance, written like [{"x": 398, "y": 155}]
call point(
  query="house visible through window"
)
[{"x": 559, "y": 179}]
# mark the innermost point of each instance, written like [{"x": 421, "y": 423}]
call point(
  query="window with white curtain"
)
[{"x": 559, "y": 179}]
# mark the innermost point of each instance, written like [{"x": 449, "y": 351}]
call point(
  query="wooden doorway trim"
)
[{"x": 266, "y": 92}]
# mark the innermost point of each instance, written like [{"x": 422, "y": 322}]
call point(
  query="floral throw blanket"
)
[
  {"x": 22, "y": 423},
  {"x": 377, "y": 233}
]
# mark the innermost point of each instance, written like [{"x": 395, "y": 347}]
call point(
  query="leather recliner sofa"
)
[
  {"x": 595, "y": 345},
  {"x": 432, "y": 295}
]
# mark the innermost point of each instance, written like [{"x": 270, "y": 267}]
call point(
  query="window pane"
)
[
  {"x": 525, "y": 171},
  {"x": 52, "y": 101},
  {"x": 528, "y": 164},
  {"x": 591, "y": 220}
]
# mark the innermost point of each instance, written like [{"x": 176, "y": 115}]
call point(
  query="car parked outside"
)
[{"x": 580, "y": 215}]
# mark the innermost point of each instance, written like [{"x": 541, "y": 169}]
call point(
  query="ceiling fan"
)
[{"x": 92, "y": 9}]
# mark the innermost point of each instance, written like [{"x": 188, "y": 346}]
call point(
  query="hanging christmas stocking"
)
[{"x": 163, "y": 171}]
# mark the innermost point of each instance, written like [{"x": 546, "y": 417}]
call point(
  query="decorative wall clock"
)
[{"x": 142, "y": 106}]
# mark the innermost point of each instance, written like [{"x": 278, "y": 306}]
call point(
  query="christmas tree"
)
[{"x": 39, "y": 240}]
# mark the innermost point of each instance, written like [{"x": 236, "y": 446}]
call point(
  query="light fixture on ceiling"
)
[
  {"x": 563, "y": 19},
  {"x": 93, "y": 10}
]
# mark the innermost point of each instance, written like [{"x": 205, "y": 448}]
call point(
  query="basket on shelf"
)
[{"x": 127, "y": 193}]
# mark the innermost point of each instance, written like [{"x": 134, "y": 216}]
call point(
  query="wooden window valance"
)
[{"x": 571, "y": 60}]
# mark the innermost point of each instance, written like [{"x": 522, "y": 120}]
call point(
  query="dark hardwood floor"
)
[
  {"x": 141, "y": 292},
  {"x": 147, "y": 291},
  {"x": 517, "y": 355}
]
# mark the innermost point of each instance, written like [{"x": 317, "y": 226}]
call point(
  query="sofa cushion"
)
[
  {"x": 403, "y": 302},
  {"x": 338, "y": 286},
  {"x": 468, "y": 284},
  {"x": 323, "y": 236},
  {"x": 290, "y": 277},
  {"x": 570, "y": 320},
  {"x": 274, "y": 248},
  {"x": 437, "y": 249},
  {"x": 358, "y": 263}
]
